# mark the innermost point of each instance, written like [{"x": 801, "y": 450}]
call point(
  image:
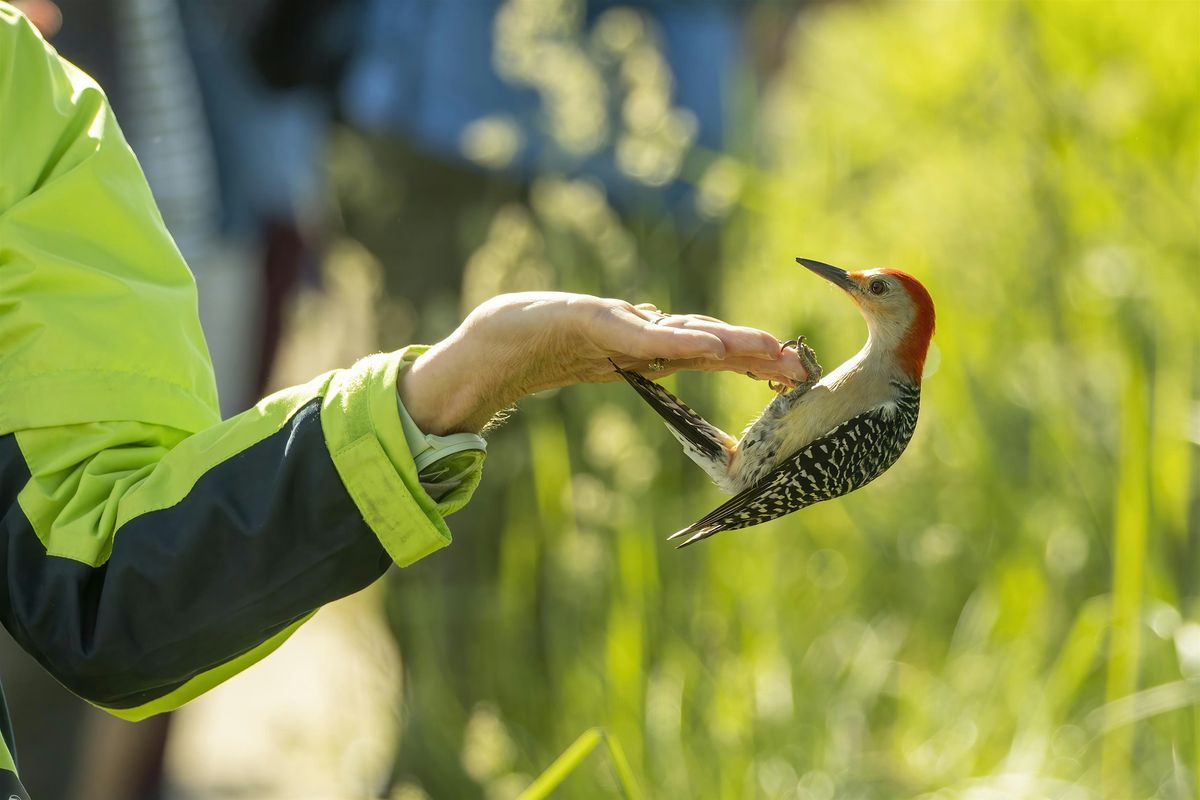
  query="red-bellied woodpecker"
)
[{"x": 829, "y": 435}]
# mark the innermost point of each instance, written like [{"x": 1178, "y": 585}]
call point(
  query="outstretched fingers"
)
[
  {"x": 693, "y": 341},
  {"x": 641, "y": 333}
]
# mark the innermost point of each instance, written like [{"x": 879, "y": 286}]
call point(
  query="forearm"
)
[{"x": 141, "y": 565}]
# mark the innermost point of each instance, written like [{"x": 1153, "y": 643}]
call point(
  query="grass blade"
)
[{"x": 570, "y": 760}]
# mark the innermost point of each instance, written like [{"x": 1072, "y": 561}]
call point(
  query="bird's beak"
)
[{"x": 838, "y": 277}]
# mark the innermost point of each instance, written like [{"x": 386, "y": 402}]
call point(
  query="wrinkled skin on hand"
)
[{"x": 517, "y": 344}]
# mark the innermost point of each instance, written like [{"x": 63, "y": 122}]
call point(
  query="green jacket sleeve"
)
[{"x": 147, "y": 549}]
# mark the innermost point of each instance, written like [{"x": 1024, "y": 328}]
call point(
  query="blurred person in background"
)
[
  {"x": 465, "y": 104},
  {"x": 156, "y": 551}
]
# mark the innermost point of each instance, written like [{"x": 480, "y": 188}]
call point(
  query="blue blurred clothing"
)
[
  {"x": 269, "y": 143},
  {"x": 425, "y": 71}
]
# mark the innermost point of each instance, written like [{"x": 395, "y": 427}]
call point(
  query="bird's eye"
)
[{"x": 878, "y": 286}]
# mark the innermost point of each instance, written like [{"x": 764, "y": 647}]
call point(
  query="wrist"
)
[{"x": 442, "y": 390}]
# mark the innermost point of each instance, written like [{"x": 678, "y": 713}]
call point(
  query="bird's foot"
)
[{"x": 808, "y": 357}]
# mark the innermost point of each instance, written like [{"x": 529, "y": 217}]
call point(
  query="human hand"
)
[{"x": 517, "y": 344}]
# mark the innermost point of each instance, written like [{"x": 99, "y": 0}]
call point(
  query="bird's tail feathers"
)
[
  {"x": 705, "y": 443},
  {"x": 698, "y": 534}
]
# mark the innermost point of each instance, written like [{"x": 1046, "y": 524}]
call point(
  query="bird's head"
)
[{"x": 898, "y": 310}]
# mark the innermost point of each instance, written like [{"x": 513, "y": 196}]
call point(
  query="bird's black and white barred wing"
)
[
  {"x": 701, "y": 440},
  {"x": 850, "y": 456}
]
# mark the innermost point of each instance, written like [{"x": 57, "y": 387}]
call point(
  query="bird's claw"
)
[{"x": 808, "y": 357}]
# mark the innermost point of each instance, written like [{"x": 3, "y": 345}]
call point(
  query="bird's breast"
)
[{"x": 788, "y": 425}]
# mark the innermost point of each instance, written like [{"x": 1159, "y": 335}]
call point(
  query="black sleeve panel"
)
[{"x": 261, "y": 540}]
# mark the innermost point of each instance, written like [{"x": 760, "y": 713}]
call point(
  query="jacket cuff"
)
[
  {"x": 449, "y": 467},
  {"x": 362, "y": 429}
]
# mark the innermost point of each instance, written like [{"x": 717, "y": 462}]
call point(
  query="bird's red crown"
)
[{"x": 916, "y": 342}]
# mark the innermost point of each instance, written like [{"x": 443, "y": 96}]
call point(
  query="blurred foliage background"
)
[{"x": 1013, "y": 610}]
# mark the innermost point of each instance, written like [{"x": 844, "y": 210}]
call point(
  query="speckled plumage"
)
[{"x": 849, "y": 457}]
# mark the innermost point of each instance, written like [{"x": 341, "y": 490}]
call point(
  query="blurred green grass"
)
[{"x": 1012, "y": 611}]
